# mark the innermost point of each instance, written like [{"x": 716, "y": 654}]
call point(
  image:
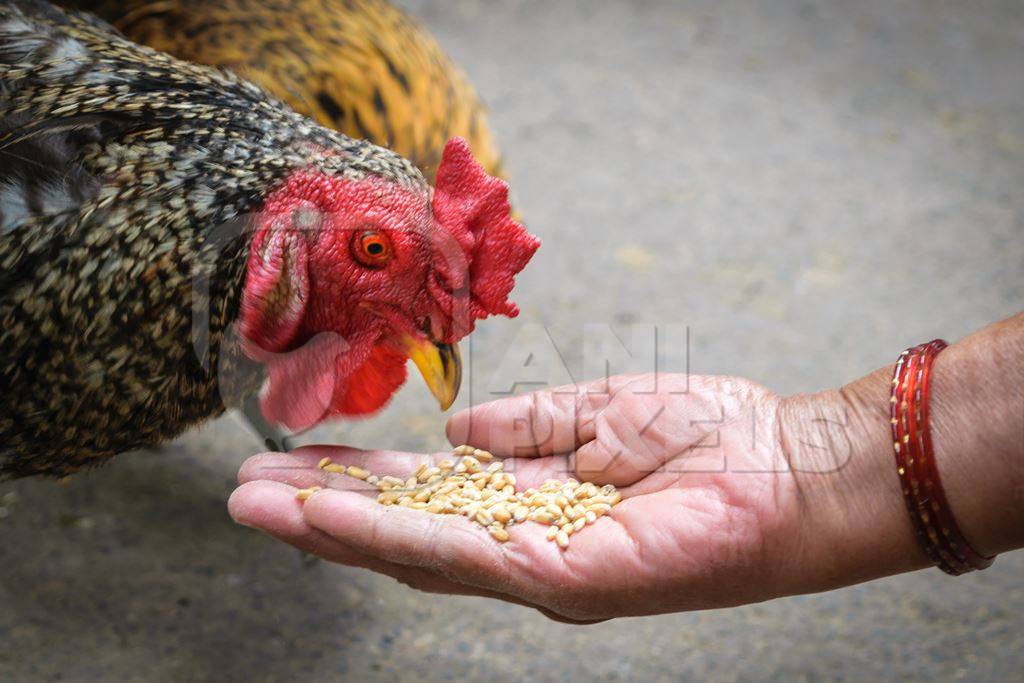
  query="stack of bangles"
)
[{"x": 933, "y": 520}]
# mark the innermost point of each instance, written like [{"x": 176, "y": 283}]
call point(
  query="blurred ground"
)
[{"x": 768, "y": 174}]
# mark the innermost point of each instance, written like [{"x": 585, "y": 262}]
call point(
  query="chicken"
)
[
  {"x": 171, "y": 237},
  {"x": 360, "y": 66}
]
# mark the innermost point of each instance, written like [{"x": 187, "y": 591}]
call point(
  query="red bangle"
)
[{"x": 933, "y": 520}]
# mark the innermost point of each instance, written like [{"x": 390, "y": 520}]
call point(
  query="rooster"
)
[
  {"x": 172, "y": 237},
  {"x": 360, "y": 66}
]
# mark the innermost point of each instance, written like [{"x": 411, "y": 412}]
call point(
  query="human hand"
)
[{"x": 712, "y": 514}]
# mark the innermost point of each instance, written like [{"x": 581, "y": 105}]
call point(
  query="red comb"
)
[{"x": 473, "y": 208}]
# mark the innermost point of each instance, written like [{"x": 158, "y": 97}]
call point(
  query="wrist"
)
[
  {"x": 854, "y": 523},
  {"x": 975, "y": 413}
]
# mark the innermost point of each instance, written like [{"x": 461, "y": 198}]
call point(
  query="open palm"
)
[{"x": 709, "y": 517}]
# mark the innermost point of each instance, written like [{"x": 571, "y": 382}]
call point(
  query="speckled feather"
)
[
  {"x": 362, "y": 67},
  {"x": 120, "y": 167}
]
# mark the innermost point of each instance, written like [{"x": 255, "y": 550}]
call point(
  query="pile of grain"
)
[{"x": 487, "y": 495}]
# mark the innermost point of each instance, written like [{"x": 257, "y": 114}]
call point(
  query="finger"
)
[
  {"x": 540, "y": 423},
  {"x": 449, "y": 545},
  {"x": 531, "y": 473},
  {"x": 273, "y": 508},
  {"x": 627, "y": 446},
  {"x": 547, "y": 572},
  {"x": 638, "y": 433},
  {"x": 299, "y": 469}
]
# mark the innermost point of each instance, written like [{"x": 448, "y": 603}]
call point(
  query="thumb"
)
[
  {"x": 626, "y": 445},
  {"x": 548, "y": 422}
]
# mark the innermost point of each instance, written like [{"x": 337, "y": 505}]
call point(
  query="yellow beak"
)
[{"x": 440, "y": 365}]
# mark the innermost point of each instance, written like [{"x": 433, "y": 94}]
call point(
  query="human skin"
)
[{"x": 731, "y": 493}]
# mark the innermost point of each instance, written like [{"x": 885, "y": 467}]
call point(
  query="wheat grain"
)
[{"x": 486, "y": 497}]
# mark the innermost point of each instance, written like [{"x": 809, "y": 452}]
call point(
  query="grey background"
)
[{"x": 771, "y": 174}]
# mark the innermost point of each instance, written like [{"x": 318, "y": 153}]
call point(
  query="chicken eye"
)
[{"x": 372, "y": 248}]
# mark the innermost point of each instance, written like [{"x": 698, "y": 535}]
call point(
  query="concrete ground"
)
[{"x": 771, "y": 175}]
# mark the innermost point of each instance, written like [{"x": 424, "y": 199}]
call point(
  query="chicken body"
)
[
  {"x": 126, "y": 177},
  {"x": 362, "y": 67}
]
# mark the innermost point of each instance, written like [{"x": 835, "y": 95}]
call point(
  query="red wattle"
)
[
  {"x": 303, "y": 382},
  {"x": 372, "y": 385}
]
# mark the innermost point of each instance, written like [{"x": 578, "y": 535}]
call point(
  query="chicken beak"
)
[{"x": 440, "y": 365}]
